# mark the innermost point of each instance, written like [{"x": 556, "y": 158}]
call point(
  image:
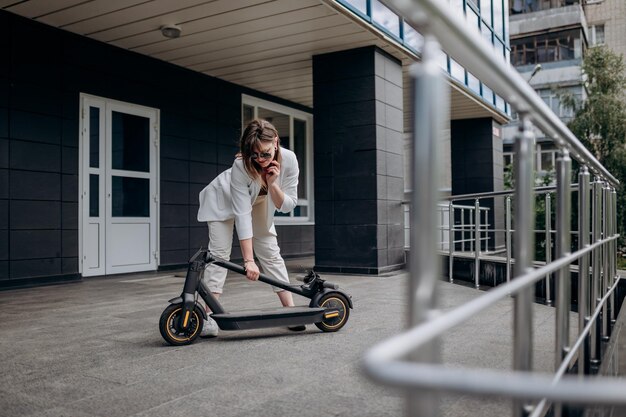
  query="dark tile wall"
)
[
  {"x": 44, "y": 71},
  {"x": 477, "y": 166},
  {"x": 358, "y": 161}
]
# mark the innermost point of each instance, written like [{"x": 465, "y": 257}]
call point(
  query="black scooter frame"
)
[{"x": 313, "y": 288}]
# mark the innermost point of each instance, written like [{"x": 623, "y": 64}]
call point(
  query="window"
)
[
  {"x": 551, "y": 47},
  {"x": 553, "y": 100},
  {"x": 382, "y": 15},
  {"x": 507, "y": 158},
  {"x": 596, "y": 34},
  {"x": 295, "y": 129},
  {"x": 413, "y": 38}
]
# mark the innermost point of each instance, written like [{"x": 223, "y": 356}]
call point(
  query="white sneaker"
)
[{"x": 210, "y": 328}]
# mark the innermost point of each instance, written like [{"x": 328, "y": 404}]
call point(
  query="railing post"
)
[
  {"x": 524, "y": 249},
  {"x": 508, "y": 238},
  {"x": 548, "y": 217},
  {"x": 596, "y": 330},
  {"x": 476, "y": 243},
  {"x": 563, "y": 248},
  {"x": 605, "y": 262},
  {"x": 583, "y": 267},
  {"x": 613, "y": 249},
  {"x": 462, "y": 230},
  {"x": 429, "y": 97},
  {"x": 451, "y": 240}
]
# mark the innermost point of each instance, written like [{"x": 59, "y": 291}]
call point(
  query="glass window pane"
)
[
  {"x": 486, "y": 32},
  {"x": 500, "y": 103},
  {"x": 131, "y": 197},
  {"x": 599, "y": 35},
  {"x": 457, "y": 6},
  {"x": 300, "y": 211},
  {"x": 360, "y": 5},
  {"x": 473, "y": 83},
  {"x": 94, "y": 137},
  {"x": 280, "y": 122},
  {"x": 299, "y": 144},
  {"x": 485, "y": 11},
  {"x": 130, "y": 142},
  {"x": 248, "y": 114},
  {"x": 457, "y": 71},
  {"x": 487, "y": 94},
  {"x": 546, "y": 161},
  {"x": 498, "y": 17},
  {"x": 472, "y": 17},
  {"x": 94, "y": 195},
  {"x": 413, "y": 38},
  {"x": 443, "y": 60},
  {"x": 385, "y": 17}
]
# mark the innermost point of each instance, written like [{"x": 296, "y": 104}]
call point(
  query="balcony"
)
[{"x": 568, "y": 16}]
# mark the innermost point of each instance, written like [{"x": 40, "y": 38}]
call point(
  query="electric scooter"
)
[{"x": 181, "y": 322}]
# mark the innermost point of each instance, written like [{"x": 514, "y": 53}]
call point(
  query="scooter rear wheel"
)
[
  {"x": 335, "y": 301},
  {"x": 168, "y": 325}
]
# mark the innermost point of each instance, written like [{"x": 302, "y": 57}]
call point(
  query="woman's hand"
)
[
  {"x": 252, "y": 271},
  {"x": 272, "y": 172}
]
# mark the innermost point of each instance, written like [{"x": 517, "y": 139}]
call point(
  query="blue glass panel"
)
[
  {"x": 382, "y": 15},
  {"x": 485, "y": 11},
  {"x": 498, "y": 17},
  {"x": 360, "y": 5},
  {"x": 487, "y": 94},
  {"x": 457, "y": 6},
  {"x": 473, "y": 83},
  {"x": 500, "y": 103},
  {"x": 457, "y": 71},
  {"x": 413, "y": 38},
  {"x": 486, "y": 32},
  {"x": 472, "y": 18},
  {"x": 500, "y": 49},
  {"x": 443, "y": 61}
]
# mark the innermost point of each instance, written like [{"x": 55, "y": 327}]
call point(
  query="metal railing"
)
[{"x": 411, "y": 360}]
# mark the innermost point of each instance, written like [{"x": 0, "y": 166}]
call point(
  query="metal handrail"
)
[
  {"x": 411, "y": 360},
  {"x": 382, "y": 362}
]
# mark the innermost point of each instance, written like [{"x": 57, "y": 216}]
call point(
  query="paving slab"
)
[{"x": 93, "y": 349}]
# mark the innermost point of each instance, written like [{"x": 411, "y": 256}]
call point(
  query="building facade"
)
[
  {"x": 113, "y": 117},
  {"x": 548, "y": 42},
  {"x": 554, "y": 34}
]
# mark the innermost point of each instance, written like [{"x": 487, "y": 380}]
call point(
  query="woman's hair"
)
[{"x": 257, "y": 135}]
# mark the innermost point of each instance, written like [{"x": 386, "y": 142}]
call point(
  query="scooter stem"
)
[{"x": 241, "y": 270}]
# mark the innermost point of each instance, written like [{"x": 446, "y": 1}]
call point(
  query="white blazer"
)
[{"x": 232, "y": 193}]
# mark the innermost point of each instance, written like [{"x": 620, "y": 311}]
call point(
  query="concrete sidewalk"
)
[{"x": 94, "y": 349}]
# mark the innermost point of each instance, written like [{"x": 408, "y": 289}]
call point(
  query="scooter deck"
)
[{"x": 270, "y": 317}]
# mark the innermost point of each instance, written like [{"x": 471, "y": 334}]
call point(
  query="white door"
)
[{"x": 119, "y": 187}]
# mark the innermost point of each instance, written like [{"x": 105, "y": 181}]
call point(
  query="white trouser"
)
[{"x": 264, "y": 243}]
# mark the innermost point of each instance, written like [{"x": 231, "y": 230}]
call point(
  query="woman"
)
[{"x": 263, "y": 179}]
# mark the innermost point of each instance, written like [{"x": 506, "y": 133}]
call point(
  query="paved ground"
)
[{"x": 94, "y": 349}]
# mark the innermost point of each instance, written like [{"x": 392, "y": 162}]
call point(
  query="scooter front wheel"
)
[
  {"x": 169, "y": 325},
  {"x": 335, "y": 301}
]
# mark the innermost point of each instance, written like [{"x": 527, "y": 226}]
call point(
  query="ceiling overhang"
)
[{"x": 266, "y": 45}]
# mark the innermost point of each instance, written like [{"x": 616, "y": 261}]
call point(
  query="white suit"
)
[{"x": 232, "y": 198}]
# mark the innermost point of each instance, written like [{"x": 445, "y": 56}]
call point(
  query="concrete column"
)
[
  {"x": 476, "y": 154},
  {"x": 358, "y": 145}
]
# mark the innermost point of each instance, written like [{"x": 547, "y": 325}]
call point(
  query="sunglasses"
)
[{"x": 260, "y": 155}]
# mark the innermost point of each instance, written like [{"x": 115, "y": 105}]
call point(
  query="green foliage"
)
[{"x": 600, "y": 120}]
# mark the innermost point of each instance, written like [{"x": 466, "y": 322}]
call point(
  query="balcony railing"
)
[{"x": 410, "y": 360}]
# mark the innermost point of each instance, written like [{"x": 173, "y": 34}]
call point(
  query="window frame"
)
[{"x": 309, "y": 202}]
